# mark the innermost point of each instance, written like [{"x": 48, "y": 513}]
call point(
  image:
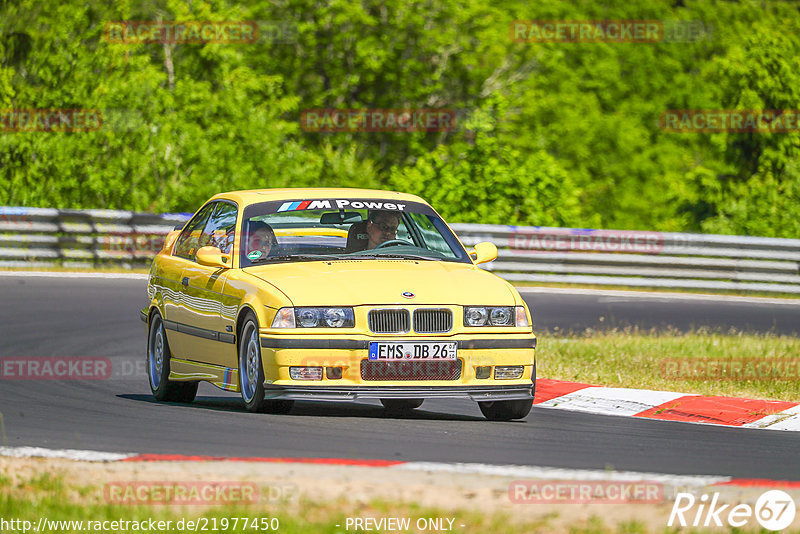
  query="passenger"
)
[{"x": 261, "y": 239}]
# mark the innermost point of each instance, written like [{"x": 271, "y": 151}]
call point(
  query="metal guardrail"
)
[
  {"x": 44, "y": 237},
  {"x": 640, "y": 259}
]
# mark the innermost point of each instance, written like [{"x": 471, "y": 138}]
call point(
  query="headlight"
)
[
  {"x": 493, "y": 316},
  {"x": 308, "y": 317},
  {"x": 475, "y": 316},
  {"x": 501, "y": 317},
  {"x": 336, "y": 317}
]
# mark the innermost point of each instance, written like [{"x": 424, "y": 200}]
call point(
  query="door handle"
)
[{"x": 185, "y": 281}]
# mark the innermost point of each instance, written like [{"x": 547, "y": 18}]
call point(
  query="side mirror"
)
[
  {"x": 484, "y": 252},
  {"x": 211, "y": 257}
]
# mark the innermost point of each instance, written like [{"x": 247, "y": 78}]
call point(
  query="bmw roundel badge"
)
[{"x": 408, "y": 294}]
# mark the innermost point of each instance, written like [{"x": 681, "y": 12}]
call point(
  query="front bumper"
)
[{"x": 333, "y": 393}]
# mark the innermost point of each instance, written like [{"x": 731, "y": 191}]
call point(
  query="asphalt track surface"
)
[{"x": 99, "y": 317}]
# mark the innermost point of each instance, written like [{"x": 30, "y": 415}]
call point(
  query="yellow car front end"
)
[{"x": 402, "y": 304}]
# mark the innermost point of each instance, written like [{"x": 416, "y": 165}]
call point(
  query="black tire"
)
[
  {"x": 401, "y": 405},
  {"x": 158, "y": 366},
  {"x": 508, "y": 410},
  {"x": 251, "y": 372}
]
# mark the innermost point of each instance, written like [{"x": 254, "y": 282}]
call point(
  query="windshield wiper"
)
[{"x": 395, "y": 255}]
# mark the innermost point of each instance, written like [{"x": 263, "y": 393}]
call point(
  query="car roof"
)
[{"x": 254, "y": 196}]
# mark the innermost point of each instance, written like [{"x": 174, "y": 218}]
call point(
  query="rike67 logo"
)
[{"x": 774, "y": 510}]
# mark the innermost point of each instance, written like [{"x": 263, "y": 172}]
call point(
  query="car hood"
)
[{"x": 358, "y": 282}]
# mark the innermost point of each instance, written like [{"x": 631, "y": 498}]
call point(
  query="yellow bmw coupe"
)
[{"x": 334, "y": 294}]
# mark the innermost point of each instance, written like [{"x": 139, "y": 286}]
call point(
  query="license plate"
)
[{"x": 426, "y": 351}]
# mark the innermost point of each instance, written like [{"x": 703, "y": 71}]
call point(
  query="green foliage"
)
[
  {"x": 485, "y": 181},
  {"x": 547, "y": 133},
  {"x": 761, "y": 193}
]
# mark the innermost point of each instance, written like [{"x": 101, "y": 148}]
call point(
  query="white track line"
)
[
  {"x": 68, "y": 454},
  {"x": 786, "y": 420},
  {"x": 551, "y": 473},
  {"x": 611, "y": 401},
  {"x": 544, "y": 473},
  {"x": 71, "y": 274}
]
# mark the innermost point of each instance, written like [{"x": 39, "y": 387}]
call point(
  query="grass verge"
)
[
  {"x": 761, "y": 366},
  {"x": 73, "y": 508}
]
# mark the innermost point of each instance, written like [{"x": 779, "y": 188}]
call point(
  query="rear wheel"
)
[
  {"x": 251, "y": 372},
  {"x": 401, "y": 405},
  {"x": 158, "y": 365}
]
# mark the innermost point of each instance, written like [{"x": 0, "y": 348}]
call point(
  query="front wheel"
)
[
  {"x": 251, "y": 372},
  {"x": 506, "y": 410},
  {"x": 158, "y": 365}
]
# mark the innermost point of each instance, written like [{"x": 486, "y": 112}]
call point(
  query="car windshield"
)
[{"x": 337, "y": 229}]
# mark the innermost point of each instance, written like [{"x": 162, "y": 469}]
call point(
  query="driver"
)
[{"x": 381, "y": 227}]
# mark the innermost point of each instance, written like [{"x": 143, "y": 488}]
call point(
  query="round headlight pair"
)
[
  {"x": 489, "y": 316},
  {"x": 324, "y": 317}
]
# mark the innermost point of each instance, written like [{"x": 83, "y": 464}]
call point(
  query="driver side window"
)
[
  {"x": 189, "y": 240},
  {"x": 219, "y": 231}
]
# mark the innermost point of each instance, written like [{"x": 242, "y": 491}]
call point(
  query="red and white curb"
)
[
  {"x": 668, "y": 405},
  {"x": 516, "y": 471}
]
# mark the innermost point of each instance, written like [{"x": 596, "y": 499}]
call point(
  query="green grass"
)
[{"x": 634, "y": 359}]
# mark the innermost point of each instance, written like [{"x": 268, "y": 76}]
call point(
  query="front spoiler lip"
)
[{"x": 474, "y": 393}]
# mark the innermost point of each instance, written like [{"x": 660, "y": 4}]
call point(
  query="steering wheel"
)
[{"x": 394, "y": 242}]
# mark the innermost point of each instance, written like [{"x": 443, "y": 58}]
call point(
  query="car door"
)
[
  {"x": 182, "y": 255},
  {"x": 207, "y": 315}
]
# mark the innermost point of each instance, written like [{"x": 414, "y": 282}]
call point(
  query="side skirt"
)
[{"x": 224, "y": 378}]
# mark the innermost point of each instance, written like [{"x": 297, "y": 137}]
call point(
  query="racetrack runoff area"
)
[{"x": 313, "y": 494}]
